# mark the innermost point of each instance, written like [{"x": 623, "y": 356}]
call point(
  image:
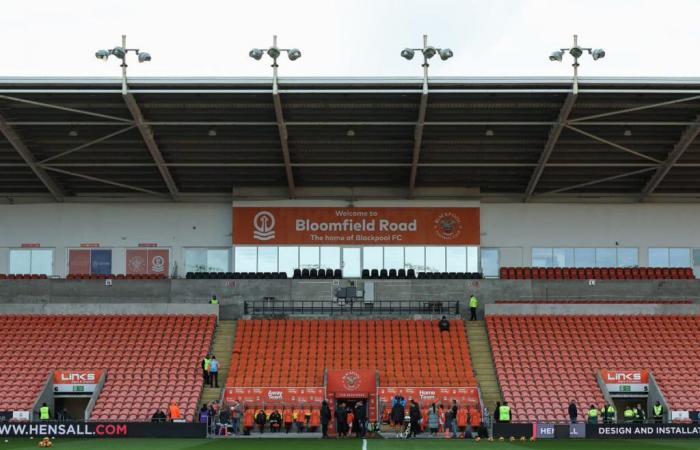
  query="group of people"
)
[
  {"x": 454, "y": 421},
  {"x": 210, "y": 370},
  {"x": 351, "y": 419},
  {"x": 173, "y": 414},
  {"x": 276, "y": 421},
  {"x": 607, "y": 413}
]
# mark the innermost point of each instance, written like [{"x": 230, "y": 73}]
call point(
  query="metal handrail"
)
[{"x": 271, "y": 306}]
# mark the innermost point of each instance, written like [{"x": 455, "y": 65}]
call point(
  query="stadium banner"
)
[
  {"x": 104, "y": 430},
  {"x": 75, "y": 381},
  {"x": 428, "y": 395},
  {"x": 577, "y": 430},
  {"x": 544, "y": 430},
  {"x": 516, "y": 430},
  {"x": 348, "y": 383},
  {"x": 643, "y": 431},
  {"x": 147, "y": 261},
  {"x": 275, "y": 395},
  {"x": 78, "y": 262},
  {"x": 355, "y": 226},
  {"x": 626, "y": 380}
]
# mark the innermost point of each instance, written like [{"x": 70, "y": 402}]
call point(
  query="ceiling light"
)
[
  {"x": 628, "y": 132},
  {"x": 212, "y": 132},
  {"x": 489, "y": 132},
  {"x": 350, "y": 133},
  {"x": 73, "y": 133}
]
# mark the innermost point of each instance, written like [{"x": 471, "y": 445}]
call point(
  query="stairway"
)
[
  {"x": 482, "y": 361},
  {"x": 222, "y": 348}
]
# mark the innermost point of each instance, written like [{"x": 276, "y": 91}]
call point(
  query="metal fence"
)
[{"x": 358, "y": 307}]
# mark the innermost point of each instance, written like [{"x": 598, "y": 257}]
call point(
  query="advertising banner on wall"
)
[
  {"x": 348, "y": 383},
  {"x": 619, "y": 381},
  {"x": 275, "y": 395},
  {"x": 75, "y": 381},
  {"x": 427, "y": 395},
  {"x": 147, "y": 261},
  {"x": 104, "y": 430},
  {"x": 643, "y": 431},
  {"x": 355, "y": 226}
]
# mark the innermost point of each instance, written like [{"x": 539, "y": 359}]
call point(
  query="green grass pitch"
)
[{"x": 347, "y": 444}]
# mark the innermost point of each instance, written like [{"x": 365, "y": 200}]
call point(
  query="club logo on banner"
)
[
  {"x": 147, "y": 261},
  {"x": 356, "y": 226},
  {"x": 351, "y": 383}
]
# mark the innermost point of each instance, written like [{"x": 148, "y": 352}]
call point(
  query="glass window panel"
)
[
  {"x": 217, "y": 260},
  {"x": 267, "y": 259},
  {"x": 696, "y": 257},
  {"x": 679, "y": 257},
  {"x": 288, "y": 259},
  {"x": 489, "y": 262},
  {"x": 330, "y": 257},
  {"x": 541, "y": 257},
  {"x": 434, "y": 259},
  {"x": 584, "y": 257},
  {"x": 195, "y": 260},
  {"x": 308, "y": 257},
  {"x": 658, "y": 257},
  {"x": 415, "y": 258},
  {"x": 627, "y": 257},
  {"x": 42, "y": 262},
  {"x": 393, "y": 257},
  {"x": 456, "y": 259},
  {"x": 605, "y": 257},
  {"x": 562, "y": 257},
  {"x": 351, "y": 262},
  {"x": 472, "y": 259},
  {"x": 245, "y": 259},
  {"x": 372, "y": 258},
  {"x": 20, "y": 261}
]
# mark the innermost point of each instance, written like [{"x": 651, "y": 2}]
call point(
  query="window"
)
[
  {"x": 541, "y": 257},
  {"x": 245, "y": 259},
  {"x": 489, "y": 262},
  {"x": 415, "y": 258},
  {"x": 434, "y": 259},
  {"x": 267, "y": 259},
  {"x": 90, "y": 261},
  {"x": 206, "y": 260},
  {"x": 372, "y": 258},
  {"x": 34, "y": 262},
  {"x": 472, "y": 259},
  {"x": 308, "y": 257},
  {"x": 627, "y": 257},
  {"x": 288, "y": 259},
  {"x": 669, "y": 257},
  {"x": 605, "y": 257},
  {"x": 393, "y": 257},
  {"x": 584, "y": 257},
  {"x": 456, "y": 259},
  {"x": 330, "y": 257},
  {"x": 562, "y": 257}
]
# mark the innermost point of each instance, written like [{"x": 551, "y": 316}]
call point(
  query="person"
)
[
  {"x": 350, "y": 419},
  {"x": 315, "y": 420},
  {"x": 341, "y": 420},
  {"x": 298, "y": 417},
  {"x": 414, "y": 413},
  {"x": 248, "y": 421},
  {"x": 444, "y": 324},
  {"x": 441, "y": 418},
  {"x": 608, "y": 413},
  {"x": 592, "y": 414},
  {"x": 453, "y": 418},
  {"x": 275, "y": 421},
  {"x": 288, "y": 419},
  {"x": 397, "y": 414},
  {"x": 235, "y": 417},
  {"x": 214, "y": 300},
  {"x": 504, "y": 413},
  {"x": 433, "y": 420},
  {"x": 213, "y": 372},
  {"x": 205, "y": 368},
  {"x": 573, "y": 411},
  {"x": 325, "y": 418},
  {"x": 224, "y": 421},
  {"x": 658, "y": 412},
  {"x": 44, "y": 413},
  {"x": 174, "y": 411},
  {"x": 473, "y": 304},
  {"x": 497, "y": 413},
  {"x": 360, "y": 415},
  {"x": 158, "y": 416},
  {"x": 629, "y": 414},
  {"x": 307, "y": 418},
  {"x": 204, "y": 414},
  {"x": 639, "y": 414},
  {"x": 260, "y": 420}
]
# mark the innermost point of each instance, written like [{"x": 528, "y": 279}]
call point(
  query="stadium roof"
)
[{"x": 494, "y": 139}]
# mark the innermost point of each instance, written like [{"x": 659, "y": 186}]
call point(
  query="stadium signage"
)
[
  {"x": 636, "y": 431},
  {"x": 347, "y": 383},
  {"x": 288, "y": 395},
  {"x": 353, "y": 226},
  {"x": 626, "y": 380},
  {"x": 75, "y": 381},
  {"x": 104, "y": 430},
  {"x": 426, "y": 395}
]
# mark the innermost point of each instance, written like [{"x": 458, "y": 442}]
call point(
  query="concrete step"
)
[
  {"x": 482, "y": 362},
  {"x": 222, "y": 348}
]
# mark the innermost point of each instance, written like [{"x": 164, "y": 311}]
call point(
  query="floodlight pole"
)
[
  {"x": 425, "y": 65},
  {"x": 275, "y": 89},
  {"x": 125, "y": 89},
  {"x": 575, "y": 66}
]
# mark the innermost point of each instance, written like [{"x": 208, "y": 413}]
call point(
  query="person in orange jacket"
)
[
  {"x": 174, "y": 411},
  {"x": 351, "y": 420},
  {"x": 248, "y": 421},
  {"x": 424, "y": 423},
  {"x": 315, "y": 419},
  {"x": 299, "y": 419},
  {"x": 441, "y": 418},
  {"x": 462, "y": 419},
  {"x": 288, "y": 419}
]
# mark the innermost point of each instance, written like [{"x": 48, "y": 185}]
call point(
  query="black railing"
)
[{"x": 358, "y": 307}]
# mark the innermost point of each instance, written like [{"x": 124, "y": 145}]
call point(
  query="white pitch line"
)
[{"x": 364, "y": 444}]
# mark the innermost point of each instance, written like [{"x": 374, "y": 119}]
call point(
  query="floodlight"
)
[
  {"x": 556, "y": 56},
  {"x": 273, "y": 52},
  {"x": 576, "y": 51},
  {"x": 144, "y": 57},
  {"x": 294, "y": 54},
  {"x": 445, "y": 54},
  {"x": 597, "y": 54},
  {"x": 119, "y": 52},
  {"x": 256, "y": 54},
  {"x": 429, "y": 51},
  {"x": 408, "y": 53},
  {"x": 102, "y": 55}
]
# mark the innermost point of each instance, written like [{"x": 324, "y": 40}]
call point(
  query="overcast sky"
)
[{"x": 350, "y": 37}]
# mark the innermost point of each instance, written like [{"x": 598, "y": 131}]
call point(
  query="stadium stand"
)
[
  {"x": 596, "y": 273},
  {"x": 410, "y": 274},
  {"x": 295, "y": 353},
  {"x": 595, "y": 302},
  {"x": 25, "y": 276},
  {"x": 236, "y": 275},
  {"x": 314, "y": 274},
  {"x": 545, "y": 361},
  {"x": 150, "y": 359},
  {"x": 120, "y": 276}
]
